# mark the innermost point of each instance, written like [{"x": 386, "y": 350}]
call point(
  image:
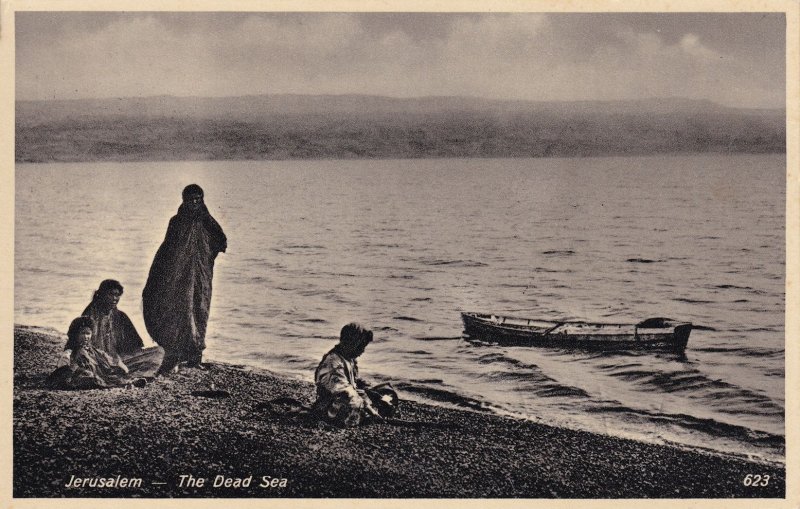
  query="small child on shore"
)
[{"x": 89, "y": 367}]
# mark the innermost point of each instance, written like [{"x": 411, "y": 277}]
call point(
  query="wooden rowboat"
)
[{"x": 652, "y": 334}]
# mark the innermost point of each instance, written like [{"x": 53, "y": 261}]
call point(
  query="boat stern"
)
[{"x": 682, "y": 332}]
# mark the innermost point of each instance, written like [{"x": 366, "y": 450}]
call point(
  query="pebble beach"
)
[{"x": 178, "y": 437}]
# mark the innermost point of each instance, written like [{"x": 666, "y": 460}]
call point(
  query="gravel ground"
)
[{"x": 172, "y": 441}]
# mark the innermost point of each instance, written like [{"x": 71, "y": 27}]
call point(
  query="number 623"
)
[{"x": 756, "y": 480}]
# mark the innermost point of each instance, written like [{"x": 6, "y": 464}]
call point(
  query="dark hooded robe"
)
[{"x": 177, "y": 295}]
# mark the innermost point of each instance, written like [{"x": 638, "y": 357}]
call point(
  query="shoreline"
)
[
  {"x": 198, "y": 159},
  {"x": 177, "y": 444}
]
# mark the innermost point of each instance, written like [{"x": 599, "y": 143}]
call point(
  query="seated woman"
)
[
  {"x": 114, "y": 333},
  {"x": 341, "y": 399},
  {"x": 89, "y": 367}
]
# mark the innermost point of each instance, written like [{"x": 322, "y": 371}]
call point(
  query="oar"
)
[
  {"x": 658, "y": 323},
  {"x": 551, "y": 329}
]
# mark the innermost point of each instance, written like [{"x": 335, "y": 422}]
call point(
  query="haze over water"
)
[{"x": 404, "y": 245}]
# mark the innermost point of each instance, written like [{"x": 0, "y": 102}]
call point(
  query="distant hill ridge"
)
[
  {"x": 254, "y": 105},
  {"x": 288, "y": 126}
]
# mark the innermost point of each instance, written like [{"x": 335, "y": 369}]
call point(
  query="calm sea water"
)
[{"x": 404, "y": 245}]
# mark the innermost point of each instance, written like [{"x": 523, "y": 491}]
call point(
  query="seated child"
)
[
  {"x": 89, "y": 367},
  {"x": 342, "y": 398}
]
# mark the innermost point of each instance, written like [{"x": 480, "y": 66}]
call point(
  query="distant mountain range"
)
[{"x": 361, "y": 126}]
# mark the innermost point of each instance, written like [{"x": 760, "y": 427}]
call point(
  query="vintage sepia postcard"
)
[{"x": 296, "y": 253}]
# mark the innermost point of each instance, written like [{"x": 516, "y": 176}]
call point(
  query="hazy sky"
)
[{"x": 732, "y": 59}]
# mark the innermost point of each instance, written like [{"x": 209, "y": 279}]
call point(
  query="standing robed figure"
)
[{"x": 177, "y": 296}]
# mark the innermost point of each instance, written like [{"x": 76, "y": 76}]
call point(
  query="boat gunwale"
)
[{"x": 486, "y": 318}]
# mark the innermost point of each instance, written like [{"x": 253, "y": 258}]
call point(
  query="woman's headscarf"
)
[
  {"x": 192, "y": 189},
  {"x": 106, "y": 285}
]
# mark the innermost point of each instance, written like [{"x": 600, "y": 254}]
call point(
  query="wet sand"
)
[{"x": 161, "y": 441}]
